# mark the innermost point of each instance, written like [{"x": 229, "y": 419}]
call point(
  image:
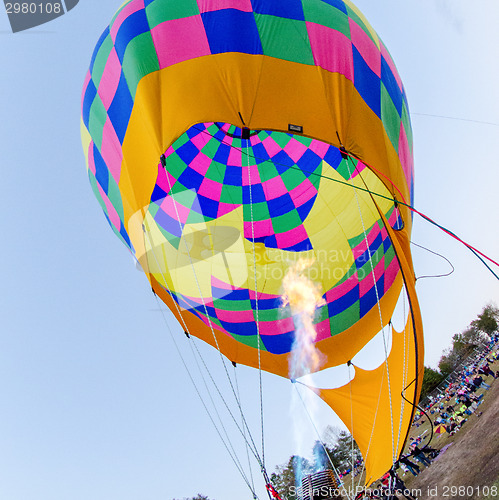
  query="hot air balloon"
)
[{"x": 228, "y": 139}]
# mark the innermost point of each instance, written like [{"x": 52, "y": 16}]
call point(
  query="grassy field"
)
[{"x": 470, "y": 465}]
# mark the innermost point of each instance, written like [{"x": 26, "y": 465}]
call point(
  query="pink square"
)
[
  {"x": 111, "y": 211},
  {"x": 271, "y": 146},
  {"x": 175, "y": 209},
  {"x": 165, "y": 179},
  {"x": 388, "y": 58},
  {"x": 239, "y": 317},
  {"x": 225, "y": 208},
  {"x": 368, "y": 282},
  {"x": 111, "y": 150},
  {"x": 91, "y": 159},
  {"x": 278, "y": 327},
  {"x": 332, "y": 50},
  {"x": 405, "y": 156},
  {"x": 320, "y": 148},
  {"x": 127, "y": 10},
  {"x": 259, "y": 229},
  {"x": 180, "y": 40},
  {"x": 323, "y": 330},
  {"x": 303, "y": 192},
  {"x": 295, "y": 150},
  {"x": 211, "y": 5},
  {"x": 211, "y": 189},
  {"x": 340, "y": 290},
  {"x": 251, "y": 173},
  {"x": 367, "y": 48},
  {"x": 291, "y": 237},
  {"x": 201, "y": 140},
  {"x": 391, "y": 273},
  {"x": 235, "y": 157},
  {"x": 110, "y": 79},
  {"x": 273, "y": 188},
  {"x": 201, "y": 163}
]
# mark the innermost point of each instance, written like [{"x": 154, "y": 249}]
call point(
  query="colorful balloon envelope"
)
[{"x": 227, "y": 140}]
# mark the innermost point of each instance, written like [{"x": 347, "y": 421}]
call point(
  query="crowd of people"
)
[{"x": 450, "y": 408}]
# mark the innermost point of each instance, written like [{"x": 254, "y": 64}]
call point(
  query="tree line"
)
[{"x": 474, "y": 336}]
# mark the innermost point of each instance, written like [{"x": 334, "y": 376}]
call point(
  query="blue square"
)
[
  {"x": 187, "y": 152},
  {"x": 367, "y": 82},
  {"x": 333, "y": 157},
  {"x": 309, "y": 161},
  {"x": 191, "y": 179},
  {"x": 344, "y": 302},
  {"x": 98, "y": 46},
  {"x": 391, "y": 85},
  {"x": 222, "y": 154},
  {"x": 257, "y": 194},
  {"x": 209, "y": 207},
  {"x": 231, "y": 30},
  {"x": 339, "y": 4},
  {"x": 132, "y": 26},
  {"x": 101, "y": 171},
  {"x": 121, "y": 108},
  {"x": 279, "y": 344},
  {"x": 233, "y": 176},
  {"x": 289, "y": 9},
  {"x": 88, "y": 100},
  {"x": 281, "y": 205},
  {"x": 260, "y": 153}
]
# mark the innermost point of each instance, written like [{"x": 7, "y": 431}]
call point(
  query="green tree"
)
[
  {"x": 431, "y": 379},
  {"x": 286, "y": 476},
  {"x": 487, "y": 320},
  {"x": 449, "y": 361}
]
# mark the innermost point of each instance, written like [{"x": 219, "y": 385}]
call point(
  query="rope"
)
[
  {"x": 256, "y": 300},
  {"x": 375, "y": 285},
  {"x": 234, "y": 458},
  {"x": 439, "y": 255},
  {"x": 242, "y": 418},
  {"x": 235, "y": 461},
  {"x": 317, "y": 431},
  {"x": 475, "y": 251},
  {"x": 211, "y": 328}
]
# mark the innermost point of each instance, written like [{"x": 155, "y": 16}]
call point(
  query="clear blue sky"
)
[{"x": 94, "y": 401}]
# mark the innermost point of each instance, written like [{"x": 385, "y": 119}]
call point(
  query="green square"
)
[
  {"x": 389, "y": 256},
  {"x": 101, "y": 60},
  {"x": 97, "y": 119},
  {"x": 141, "y": 48},
  {"x": 260, "y": 211},
  {"x": 321, "y": 314},
  {"x": 215, "y": 172},
  {"x": 160, "y": 11},
  {"x": 320, "y": 12},
  {"x": 406, "y": 121},
  {"x": 114, "y": 196},
  {"x": 231, "y": 194},
  {"x": 95, "y": 189},
  {"x": 292, "y": 178},
  {"x": 286, "y": 222},
  {"x": 345, "y": 319},
  {"x": 267, "y": 171},
  {"x": 390, "y": 117},
  {"x": 275, "y": 32},
  {"x": 249, "y": 340}
]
